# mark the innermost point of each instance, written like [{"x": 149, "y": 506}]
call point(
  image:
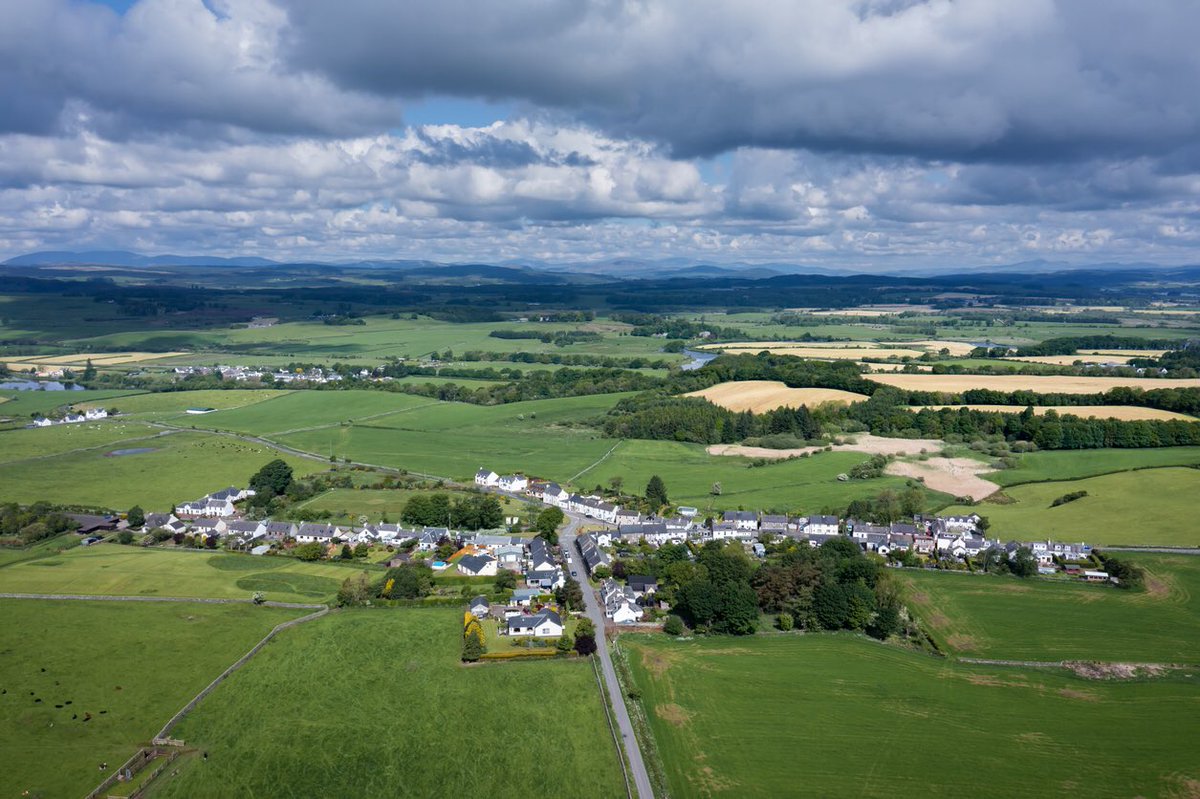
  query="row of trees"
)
[{"x": 471, "y": 512}]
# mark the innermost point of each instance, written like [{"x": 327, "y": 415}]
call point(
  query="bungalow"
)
[
  {"x": 480, "y": 607},
  {"x": 164, "y": 520},
  {"x": 543, "y": 624},
  {"x": 510, "y": 557},
  {"x": 1093, "y": 576},
  {"x": 741, "y": 519},
  {"x": 960, "y": 524},
  {"x": 392, "y": 534},
  {"x": 549, "y": 579},
  {"x": 624, "y": 612},
  {"x": 526, "y": 596},
  {"x": 245, "y": 530},
  {"x": 477, "y": 565},
  {"x": 280, "y": 531},
  {"x": 430, "y": 537},
  {"x": 486, "y": 478},
  {"x": 513, "y": 482},
  {"x": 314, "y": 533}
]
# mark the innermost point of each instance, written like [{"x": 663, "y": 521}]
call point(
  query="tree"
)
[
  {"x": 716, "y": 489},
  {"x": 673, "y": 625},
  {"x": 136, "y": 516},
  {"x": 361, "y": 550},
  {"x": 1023, "y": 563},
  {"x": 410, "y": 580},
  {"x": 310, "y": 551},
  {"x": 570, "y": 594},
  {"x": 124, "y": 537},
  {"x": 585, "y": 643},
  {"x": 354, "y": 590},
  {"x": 89, "y": 371},
  {"x": 564, "y": 645},
  {"x": 472, "y": 649},
  {"x": 272, "y": 479},
  {"x": 831, "y": 606},
  {"x": 547, "y": 522},
  {"x": 656, "y": 492},
  {"x": 785, "y": 622},
  {"x": 347, "y": 553},
  {"x": 615, "y": 482},
  {"x": 505, "y": 580}
]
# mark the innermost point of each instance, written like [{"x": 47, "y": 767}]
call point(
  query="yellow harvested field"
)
[
  {"x": 770, "y": 345},
  {"x": 1044, "y": 384},
  {"x": 957, "y": 348},
  {"x": 1129, "y": 353},
  {"x": 893, "y": 367},
  {"x": 823, "y": 351},
  {"x": 1126, "y": 413},
  {"x": 1068, "y": 360},
  {"x": 758, "y": 396},
  {"x": 97, "y": 358}
]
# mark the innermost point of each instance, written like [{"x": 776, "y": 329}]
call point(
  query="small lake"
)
[
  {"x": 34, "y": 385},
  {"x": 117, "y": 453},
  {"x": 698, "y": 359}
]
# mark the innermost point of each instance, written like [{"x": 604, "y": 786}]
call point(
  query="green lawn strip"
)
[
  {"x": 129, "y": 665},
  {"x": 1141, "y": 507},
  {"x": 836, "y": 715},
  {"x": 988, "y": 616},
  {"x": 114, "y": 570},
  {"x": 321, "y": 736}
]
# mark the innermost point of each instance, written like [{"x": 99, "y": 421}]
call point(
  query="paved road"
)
[{"x": 640, "y": 778}]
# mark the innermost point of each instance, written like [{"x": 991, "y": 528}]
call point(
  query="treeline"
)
[
  {"x": 674, "y": 327},
  {"x": 540, "y": 385},
  {"x": 31, "y": 524},
  {"x": 475, "y": 512},
  {"x": 831, "y": 587},
  {"x": 1069, "y": 345},
  {"x": 560, "y": 338},
  {"x": 556, "y": 358},
  {"x": 696, "y": 420}
]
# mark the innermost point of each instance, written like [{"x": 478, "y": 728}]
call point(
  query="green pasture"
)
[
  {"x": 44, "y": 548},
  {"x": 374, "y": 503},
  {"x": 800, "y": 485},
  {"x": 301, "y": 410},
  {"x": 1079, "y": 463},
  {"x": 115, "y": 570},
  {"x": 44, "y": 442},
  {"x": 182, "y": 466},
  {"x": 832, "y": 715},
  {"x": 1146, "y": 506},
  {"x": 21, "y": 405},
  {"x": 987, "y": 616},
  {"x": 175, "y": 403},
  {"x": 405, "y": 719},
  {"x": 130, "y": 665}
]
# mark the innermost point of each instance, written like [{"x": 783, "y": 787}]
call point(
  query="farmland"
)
[
  {"x": 767, "y": 395},
  {"x": 826, "y": 699},
  {"x": 179, "y": 466},
  {"x": 113, "y": 570},
  {"x": 1054, "y": 384},
  {"x": 1076, "y": 464},
  {"x": 129, "y": 666},
  {"x": 1002, "y": 617},
  {"x": 1147, "y": 506},
  {"x": 327, "y": 740}
]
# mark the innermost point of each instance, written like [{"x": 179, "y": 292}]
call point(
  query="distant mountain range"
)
[{"x": 528, "y": 268}]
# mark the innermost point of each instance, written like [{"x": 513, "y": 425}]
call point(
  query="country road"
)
[{"x": 641, "y": 778}]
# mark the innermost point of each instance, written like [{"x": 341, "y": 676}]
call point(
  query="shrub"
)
[{"x": 673, "y": 626}]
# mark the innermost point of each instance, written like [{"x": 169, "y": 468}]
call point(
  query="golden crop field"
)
[
  {"x": 824, "y": 351},
  {"x": 97, "y": 358},
  {"x": 1045, "y": 384},
  {"x": 1130, "y": 353},
  {"x": 767, "y": 395},
  {"x": 1126, "y": 413},
  {"x": 1067, "y": 360}
]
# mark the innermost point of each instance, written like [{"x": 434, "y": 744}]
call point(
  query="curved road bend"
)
[{"x": 640, "y": 777}]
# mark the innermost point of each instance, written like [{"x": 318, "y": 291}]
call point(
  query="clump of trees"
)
[
  {"x": 31, "y": 524},
  {"x": 271, "y": 481},
  {"x": 473, "y": 640},
  {"x": 473, "y": 512},
  {"x": 1071, "y": 497},
  {"x": 1129, "y": 576}
]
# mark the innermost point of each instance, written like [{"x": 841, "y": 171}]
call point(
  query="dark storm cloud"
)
[{"x": 1022, "y": 80}]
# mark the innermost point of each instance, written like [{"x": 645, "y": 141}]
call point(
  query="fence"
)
[{"x": 134, "y": 765}]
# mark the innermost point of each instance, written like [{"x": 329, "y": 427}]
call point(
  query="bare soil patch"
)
[
  {"x": 869, "y": 444},
  {"x": 1073, "y": 693},
  {"x": 959, "y": 477},
  {"x": 1116, "y": 671},
  {"x": 963, "y": 642},
  {"x": 657, "y": 663}
]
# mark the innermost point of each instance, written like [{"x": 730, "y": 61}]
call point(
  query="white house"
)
[
  {"x": 544, "y": 624},
  {"x": 556, "y": 495},
  {"x": 624, "y": 613},
  {"x": 513, "y": 482},
  {"x": 821, "y": 525},
  {"x": 95, "y": 414},
  {"x": 486, "y": 478},
  {"x": 477, "y": 565},
  {"x": 741, "y": 519},
  {"x": 313, "y": 533}
]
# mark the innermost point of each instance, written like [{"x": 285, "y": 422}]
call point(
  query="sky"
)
[{"x": 862, "y": 134}]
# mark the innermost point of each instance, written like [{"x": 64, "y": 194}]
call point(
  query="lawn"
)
[
  {"x": 1147, "y": 506},
  {"x": 1003, "y": 617},
  {"x": 131, "y": 666},
  {"x": 831, "y": 715},
  {"x": 806, "y": 485},
  {"x": 115, "y": 570},
  {"x": 182, "y": 466},
  {"x": 375, "y": 703},
  {"x": 1074, "y": 464}
]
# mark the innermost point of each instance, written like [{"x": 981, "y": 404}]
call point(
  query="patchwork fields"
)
[
  {"x": 848, "y": 717},
  {"x": 767, "y": 395}
]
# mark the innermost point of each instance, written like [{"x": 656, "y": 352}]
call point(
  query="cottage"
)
[
  {"x": 773, "y": 523},
  {"x": 741, "y": 519},
  {"x": 556, "y": 495},
  {"x": 540, "y": 558},
  {"x": 624, "y": 612},
  {"x": 486, "y": 478},
  {"x": 543, "y": 624},
  {"x": 513, "y": 482},
  {"x": 548, "y": 579},
  {"x": 280, "y": 531},
  {"x": 313, "y": 533},
  {"x": 526, "y": 596},
  {"x": 642, "y": 584},
  {"x": 821, "y": 525}
]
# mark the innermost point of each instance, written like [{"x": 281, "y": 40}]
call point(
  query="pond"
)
[
  {"x": 698, "y": 359},
  {"x": 34, "y": 385},
  {"x": 117, "y": 453}
]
